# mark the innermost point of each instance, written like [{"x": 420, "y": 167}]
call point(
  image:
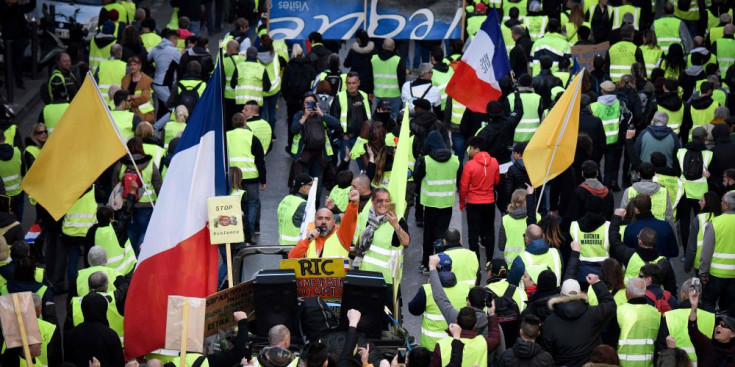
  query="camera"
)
[
  {"x": 697, "y": 285},
  {"x": 401, "y": 352},
  {"x": 311, "y": 105},
  {"x": 489, "y": 297},
  {"x": 438, "y": 245}
]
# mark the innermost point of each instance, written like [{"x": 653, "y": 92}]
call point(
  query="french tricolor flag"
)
[
  {"x": 176, "y": 256},
  {"x": 475, "y": 80}
]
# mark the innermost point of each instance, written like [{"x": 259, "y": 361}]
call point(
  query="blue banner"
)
[{"x": 339, "y": 19}]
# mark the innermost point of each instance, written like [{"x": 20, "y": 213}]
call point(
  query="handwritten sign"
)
[
  {"x": 225, "y": 220},
  {"x": 585, "y": 54},
  {"x": 221, "y": 306},
  {"x": 318, "y": 277}
]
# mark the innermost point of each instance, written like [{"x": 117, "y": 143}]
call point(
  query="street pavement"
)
[{"x": 278, "y": 163}]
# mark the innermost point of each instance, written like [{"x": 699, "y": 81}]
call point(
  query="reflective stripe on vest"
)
[
  {"x": 231, "y": 63},
  {"x": 124, "y": 122},
  {"x": 288, "y": 234},
  {"x": 723, "y": 259},
  {"x": 385, "y": 78},
  {"x": 610, "y": 116},
  {"x": 691, "y": 14},
  {"x": 343, "y": 108},
  {"x": 10, "y": 134},
  {"x": 675, "y": 118},
  {"x": 652, "y": 57},
  {"x": 658, "y": 201},
  {"x": 702, "y": 117},
  {"x": 433, "y": 324},
  {"x": 440, "y": 79},
  {"x": 531, "y": 120},
  {"x": 725, "y": 53},
  {"x": 667, "y": 31},
  {"x": 500, "y": 286},
  {"x": 595, "y": 245},
  {"x": 695, "y": 189},
  {"x": 703, "y": 219},
  {"x": 439, "y": 186},
  {"x": 81, "y": 216},
  {"x": 457, "y": 112},
  {"x": 673, "y": 187},
  {"x": 465, "y": 264},
  {"x": 172, "y": 130},
  {"x": 514, "y": 243},
  {"x": 109, "y": 73},
  {"x": 474, "y": 352},
  {"x": 52, "y": 113},
  {"x": 249, "y": 83},
  {"x": 622, "y": 56},
  {"x": 122, "y": 259},
  {"x": 150, "y": 40},
  {"x": 677, "y": 322},
  {"x": 620, "y": 11},
  {"x": 114, "y": 319},
  {"x": 262, "y": 130},
  {"x": 97, "y": 55},
  {"x": 536, "y": 26},
  {"x": 382, "y": 257},
  {"x": 638, "y": 330},
  {"x": 10, "y": 172},
  {"x": 535, "y": 264},
  {"x": 239, "y": 148},
  {"x": 274, "y": 75}
]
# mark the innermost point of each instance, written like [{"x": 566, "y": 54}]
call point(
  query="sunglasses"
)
[
  {"x": 725, "y": 325},
  {"x": 42, "y": 132}
]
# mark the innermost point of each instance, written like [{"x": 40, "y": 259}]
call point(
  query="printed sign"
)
[
  {"x": 585, "y": 54},
  {"x": 221, "y": 306},
  {"x": 319, "y": 277},
  {"x": 339, "y": 19},
  {"x": 225, "y": 220}
]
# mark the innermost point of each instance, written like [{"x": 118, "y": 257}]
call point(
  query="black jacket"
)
[
  {"x": 688, "y": 81},
  {"x": 498, "y": 133},
  {"x": 318, "y": 56},
  {"x": 701, "y": 103},
  {"x": 573, "y": 313},
  {"x": 592, "y": 126},
  {"x": 93, "y": 337},
  {"x": 519, "y": 58},
  {"x": 543, "y": 82},
  {"x": 526, "y": 354},
  {"x": 297, "y": 71},
  {"x": 601, "y": 23},
  {"x": 723, "y": 155},
  {"x": 13, "y": 20},
  {"x": 358, "y": 60},
  {"x": 191, "y": 9}
]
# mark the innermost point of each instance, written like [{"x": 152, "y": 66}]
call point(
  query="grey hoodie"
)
[
  {"x": 163, "y": 54},
  {"x": 649, "y": 187},
  {"x": 607, "y": 99}
]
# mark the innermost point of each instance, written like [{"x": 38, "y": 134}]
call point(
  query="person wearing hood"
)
[
  {"x": 319, "y": 54},
  {"x": 692, "y": 74},
  {"x": 514, "y": 223},
  {"x": 99, "y": 47},
  {"x": 592, "y": 126},
  {"x": 582, "y": 194},
  {"x": 591, "y": 232},
  {"x": 480, "y": 176},
  {"x": 645, "y": 252},
  {"x": 486, "y": 325},
  {"x": 525, "y": 351},
  {"x": 723, "y": 155},
  {"x": 433, "y": 323},
  {"x": 638, "y": 321},
  {"x": 570, "y": 311},
  {"x": 198, "y": 53},
  {"x": 498, "y": 132},
  {"x": 670, "y": 102},
  {"x": 608, "y": 109},
  {"x": 516, "y": 177},
  {"x": 658, "y": 137},
  {"x": 536, "y": 257},
  {"x": 93, "y": 338},
  {"x": 699, "y": 112},
  {"x": 146, "y": 195},
  {"x": 12, "y": 171},
  {"x": 437, "y": 171},
  {"x": 718, "y": 351},
  {"x": 358, "y": 60},
  {"x": 389, "y": 75},
  {"x": 661, "y": 202},
  {"x": 166, "y": 57}
]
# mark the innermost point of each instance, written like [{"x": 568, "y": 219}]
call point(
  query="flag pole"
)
[
  {"x": 225, "y": 154},
  {"x": 556, "y": 147},
  {"x": 146, "y": 191}
]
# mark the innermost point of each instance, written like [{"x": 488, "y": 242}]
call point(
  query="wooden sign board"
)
[
  {"x": 319, "y": 277},
  {"x": 19, "y": 324},
  {"x": 221, "y": 306},
  {"x": 185, "y": 319},
  {"x": 585, "y": 54},
  {"x": 225, "y": 220}
]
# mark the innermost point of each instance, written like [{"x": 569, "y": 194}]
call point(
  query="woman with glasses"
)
[{"x": 34, "y": 143}]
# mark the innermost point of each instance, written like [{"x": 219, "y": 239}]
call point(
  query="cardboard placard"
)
[
  {"x": 9, "y": 319},
  {"x": 318, "y": 277},
  {"x": 225, "y": 220},
  {"x": 195, "y": 323},
  {"x": 221, "y": 306},
  {"x": 585, "y": 54}
]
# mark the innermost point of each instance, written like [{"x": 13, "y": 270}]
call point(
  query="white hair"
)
[
  {"x": 97, "y": 256},
  {"x": 636, "y": 287},
  {"x": 660, "y": 118},
  {"x": 729, "y": 199}
]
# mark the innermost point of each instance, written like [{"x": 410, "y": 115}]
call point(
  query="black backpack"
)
[
  {"x": 189, "y": 96},
  {"x": 506, "y": 308},
  {"x": 335, "y": 81},
  {"x": 313, "y": 134},
  {"x": 692, "y": 167},
  {"x": 316, "y": 318}
]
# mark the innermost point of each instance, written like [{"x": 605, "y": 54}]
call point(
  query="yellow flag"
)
[
  {"x": 399, "y": 173},
  {"x": 552, "y": 147},
  {"x": 84, "y": 144}
]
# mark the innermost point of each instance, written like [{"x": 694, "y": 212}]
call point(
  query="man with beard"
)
[{"x": 327, "y": 239}]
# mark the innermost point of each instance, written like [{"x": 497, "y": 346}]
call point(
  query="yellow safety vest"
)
[
  {"x": 47, "y": 332},
  {"x": 677, "y": 321},
  {"x": 723, "y": 259},
  {"x": 535, "y": 264},
  {"x": 154, "y": 151},
  {"x": 675, "y": 118},
  {"x": 150, "y": 40},
  {"x": 634, "y": 265},
  {"x": 124, "y": 121},
  {"x": 658, "y": 201},
  {"x": 146, "y": 173},
  {"x": 262, "y": 130},
  {"x": 122, "y": 259},
  {"x": 440, "y": 80},
  {"x": 172, "y": 130},
  {"x": 673, "y": 187},
  {"x": 52, "y": 113},
  {"x": 239, "y": 148},
  {"x": 249, "y": 83},
  {"x": 10, "y": 173},
  {"x": 81, "y": 216},
  {"x": 620, "y": 11},
  {"x": 514, "y": 243},
  {"x": 439, "y": 186},
  {"x": 531, "y": 120},
  {"x": 652, "y": 57},
  {"x": 691, "y": 14},
  {"x": 97, "y": 55},
  {"x": 667, "y": 31},
  {"x": 274, "y": 75},
  {"x": 114, "y": 319},
  {"x": 695, "y": 189},
  {"x": 231, "y": 63},
  {"x": 464, "y": 264},
  {"x": 110, "y": 72},
  {"x": 703, "y": 219},
  {"x": 385, "y": 77},
  {"x": 638, "y": 330},
  {"x": 610, "y": 116},
  {"x": 382, "y": 257},
  {"x": 288, "y": 234},
  {"x": 332, "y": 248},
  {"x": 536, "y": 26},
  {"x": 519, "y": 295},
  {"x": 344, "y": 108},
  {"x": 83, "y": 279},
  {"x": 433, "y": 324},
  {"x": 474, "y": 352},
  {"x": 622, "y": 56},
  {"x": 595, "y": 245}
]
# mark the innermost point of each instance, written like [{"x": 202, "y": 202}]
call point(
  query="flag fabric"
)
[
  {"x": 399, "y": 172},
  {"x": 308, "y": 223},
  {"x": 552, "y": 147},
  {"x": 475, "y": 80},
  {"x": 176, "y": 256},
  {"x": 84, "y": 144}
]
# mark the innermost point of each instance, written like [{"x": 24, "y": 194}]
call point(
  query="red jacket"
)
[{"x": 479, "y": 177}]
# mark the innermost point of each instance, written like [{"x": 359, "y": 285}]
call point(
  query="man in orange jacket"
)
[{"x": 317, "y": 242}]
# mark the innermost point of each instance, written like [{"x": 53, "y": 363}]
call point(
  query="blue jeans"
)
[
  {"x": 459, "y": 147},
  {"x": 195, "y": 27},
  {"x": 269, "y": 110},
  {"x": 73, "y": 253},
  {"x": 222, "y": 272},
  {"x": 253, "y": 202},
  {"x": 214, "y": 8},
  {"x": 137, "y": 226},
  {"x": 340, "y": 153},
  {"x": 420, "y": 53}
]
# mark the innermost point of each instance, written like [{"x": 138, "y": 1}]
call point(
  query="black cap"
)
[
  {"x": 495, "y": 109},
  {"x": 384, "y": 104},
  {"x": 496, "y": 265},
  {"x": 302, "y": 180},
  {"x": 422, "y": 104}
]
